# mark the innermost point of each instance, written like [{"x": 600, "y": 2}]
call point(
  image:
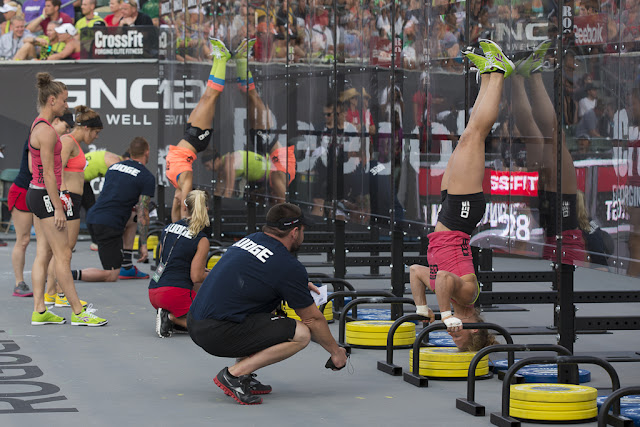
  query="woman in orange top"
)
[{"x": 86, "y": 130}]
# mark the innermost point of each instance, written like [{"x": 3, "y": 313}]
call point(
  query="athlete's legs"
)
[
  {"x": 418, "y": 278},
  {"x": 22, "y": 222},
  {"x": 466, "y": 166},
  {"x": 273, "y": 354},
  {"x": 58, "y": 242},
  {"x": 185, "y": 185},
  {"x": 39, "y": 269}
]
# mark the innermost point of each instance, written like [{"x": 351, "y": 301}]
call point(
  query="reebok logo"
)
[{"x": 204, "y": 135}]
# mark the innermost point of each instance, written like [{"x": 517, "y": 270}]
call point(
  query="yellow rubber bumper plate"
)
[
  {"x": 445, "y": 354},
  {"x": 426, "y": 364},
  {"x": 450, "y": 373},
  {"x": 553, "y": 393},
  {"x": 455, "y": 361},
  {"x": 213, "y": 261},
  {"x": 328, "y": 311},
  {"x": 379, "y": 342},
  {"x": 379, "y": 335},
  {"x": 553, "y": 416},
  {"x": 553, "y": 406},
  {"x": 378, "y": 326}
]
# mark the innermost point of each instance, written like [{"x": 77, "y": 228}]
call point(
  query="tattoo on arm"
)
[{"x": 142, "y": 209}]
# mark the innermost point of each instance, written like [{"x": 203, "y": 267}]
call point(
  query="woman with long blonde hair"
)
[{"x": 183, "y": 253}]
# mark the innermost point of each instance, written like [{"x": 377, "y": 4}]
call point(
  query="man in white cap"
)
[
  {"x": 66, "y": 34},
  {"x": 11, "y": 42}
]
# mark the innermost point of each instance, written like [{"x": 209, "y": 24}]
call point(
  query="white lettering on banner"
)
[
  {"x": 623, "y": 161},
  {"x": 514, "y": 183},
  {"x": 589, "y": 34},
  {"x": 176, "y": 94},
  {"x": 130, "y": 39},
  {"x": 627, "y": 195},
  {"x": 533, "y": 31},
  {"x": 128, "y": 120},
  {"x": 254, "y": 249},
  {"x": 125, "y": 169},
  {"x": 180, "y": 230},
  {"x": 615, "y": 210}
]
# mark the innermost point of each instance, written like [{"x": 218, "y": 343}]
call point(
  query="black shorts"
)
[
  {"x": 39, "y": 202},
  {"x": 109, "y": 241},
  {"x": 88, "y": 197},
  {"x": 75, "y": 209},
  {"x": 223, "y": 338},
  {"x": 462, "y": 212}
]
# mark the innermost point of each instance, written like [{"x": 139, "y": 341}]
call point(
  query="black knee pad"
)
[{"x": 197, "y": 137}]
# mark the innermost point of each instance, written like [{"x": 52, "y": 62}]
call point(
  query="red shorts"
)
[
  {"x": 573, "y": 248},
  {"x": 176, "y": 300},
  {"x": 284, "y": 160},
  {"x": 449, "y": 251},
  {"x": 17, "y": 198},
  {"x": 179, "y": 159}
]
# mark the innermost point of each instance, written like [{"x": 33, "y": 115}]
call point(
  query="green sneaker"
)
[
  {"x": 243, "y": 51},
  {"x": 218, "y": 49},
  {"x": 61, "y": 301},
  {"x": 87, "y": 318},
  {"x": 47, "y": 318},
  {"x": 496, "y": 57},
  {"x": 535, "y": 61}
]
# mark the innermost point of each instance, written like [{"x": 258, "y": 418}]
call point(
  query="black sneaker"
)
[
  {"x": 163, "y": 323},
  {"x": 257, "y": 387},
  {"x": 238, "y": 388},
  {"x": 177, "y": 329}
]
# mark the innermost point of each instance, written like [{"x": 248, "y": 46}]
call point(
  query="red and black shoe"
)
[
  {"x": 237, "y": 387},
  {"x": 257, "y": 387}
]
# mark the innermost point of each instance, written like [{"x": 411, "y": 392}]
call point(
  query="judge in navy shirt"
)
[
  {"x": 127, "y": 185},
  {"x": 183, "y": 250},
  {"x": 232, "y": 314}
]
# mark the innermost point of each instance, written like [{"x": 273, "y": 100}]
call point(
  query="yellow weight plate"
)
[
  {"x": 450, "y": 373},
  {"x": 553, "y": 416},
  {"x": 553, "y": 392},
  {"x": 294, "y": 316},
  {"x": 152, "y": 242},
  {"x": 378, "y": 326},
  {"x": 449, "y": 365},
  {"x": 553, "y": 406},
  {"x": 378, "y": 343},
  {"x": 378, "y": 336},
  {"x": 213, "y": 261},
  {"x": 445, "y": 354}
]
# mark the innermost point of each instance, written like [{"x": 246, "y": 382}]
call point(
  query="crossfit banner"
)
[{"x": 119, "y": 42}]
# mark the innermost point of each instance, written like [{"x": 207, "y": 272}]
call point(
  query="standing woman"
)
[
  {"x": 21, "y": 217},
  {"x": 46, "y": 203},
  {"x": 87, "y": 127},
  {"x": 183, "y": 258}
]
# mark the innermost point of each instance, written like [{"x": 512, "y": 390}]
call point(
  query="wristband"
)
[
  {"x": 422, "y": 310},
  {"x": 445, "y": 314}
]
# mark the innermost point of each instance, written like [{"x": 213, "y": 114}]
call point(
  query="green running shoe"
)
[
  {"x": 243, "y": 51},
  {"x": 535, "y": 61},
  {"x": 218, "y": 49},
  {"x": 47, "y": 318},
  {"x": 87, "y": 318},
  {"x": 494, "y": 54}
]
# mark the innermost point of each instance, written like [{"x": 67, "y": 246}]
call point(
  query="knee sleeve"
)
[{"x": 197, "y": 137}]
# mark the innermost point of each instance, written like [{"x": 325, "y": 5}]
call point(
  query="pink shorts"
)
[
  {"x": 179, "y": 159},
  {"x": 449, "y": 251},
  {"x": 573, "y": 248},
  {"x": 176, "y": 300},
  {"x": 17, "y": 198}
]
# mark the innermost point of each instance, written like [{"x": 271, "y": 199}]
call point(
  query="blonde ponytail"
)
[{"x": 197, "y": 201}]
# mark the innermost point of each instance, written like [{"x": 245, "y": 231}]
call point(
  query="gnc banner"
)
[
  {"x": 505, "y": 183},
  {"x": 590, "y": 29}
]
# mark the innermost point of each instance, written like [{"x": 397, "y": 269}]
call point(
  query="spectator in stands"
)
[
  {"x": 41, "y": 47},
  {"x": 89, "y": 18},
  {"x": 321, "y": 35},
  {"x": 113, "y": 20},
  {"x": 301, "y": 13},
  {"x": 66, "y": 34},
  {"x": 263, "y": 49},
  {"x": 152, "y": 8},
  {"x": 183, "y": 253},
  {"x": 588, "y": 102},
  {"x": 32, "y": 9},
  {"x": 51, "y": 13},
  {"x": 588, "y": 124},
  {"x": 11, "y": 42},
  {"x": 131, "y": 15},
  {"x": 9, "y": 10},
  {"x": 583, "y": 142},
  {"x": 605, "y": 122}
]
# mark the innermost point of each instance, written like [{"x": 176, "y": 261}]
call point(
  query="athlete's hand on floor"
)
[{"x": 144, "y": 253}]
